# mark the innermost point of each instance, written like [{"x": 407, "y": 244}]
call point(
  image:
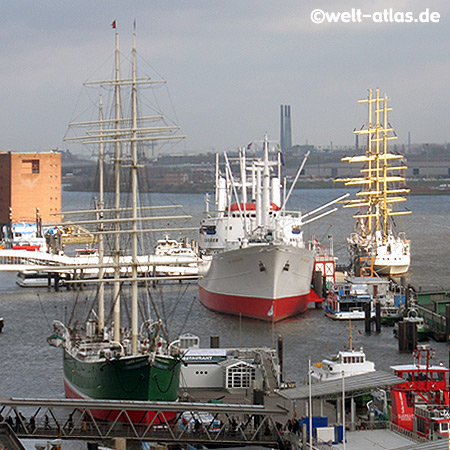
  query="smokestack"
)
[{"x": 285, "y": 127}]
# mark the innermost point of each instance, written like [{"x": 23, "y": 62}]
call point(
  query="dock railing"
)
[{"x": 436, "y": 323}]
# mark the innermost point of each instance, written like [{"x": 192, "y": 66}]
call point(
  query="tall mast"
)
[
  {"x": 378, "y": 193},
  {"x": 385, "y": 169},
  {"x": 243, "y": 169},
  {"x": 216, "y": 192},
  {"x": 101, "y": 288},
  {"x": 377, "y": 212},
  {"x": 266, "y": 185},
  {"x": 369, "y": 155},
  {"x": 114, "y": 131},
  {"x": 134, "y": 167},
  {"x": 116, "y": 290}
]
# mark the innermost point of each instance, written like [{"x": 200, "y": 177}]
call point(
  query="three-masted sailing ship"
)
[
  {"x": 376, "y": 245},
  {"x": 111, "y": 360}
]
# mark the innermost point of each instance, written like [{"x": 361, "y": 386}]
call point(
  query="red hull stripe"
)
[
  {"x": 255, "y": 307},
  {"x": 136, "y": 417}
]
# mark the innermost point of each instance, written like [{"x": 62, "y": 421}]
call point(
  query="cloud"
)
[{"x": 229, "y": 65}]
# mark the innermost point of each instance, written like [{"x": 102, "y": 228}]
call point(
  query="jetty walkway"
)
[{"x": 162, "y": 422}]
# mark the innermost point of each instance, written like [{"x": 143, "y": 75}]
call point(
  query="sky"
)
[{"x": 229, "y": 65}]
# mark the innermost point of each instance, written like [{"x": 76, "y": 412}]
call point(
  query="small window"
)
[{"x": 30, "y": 166}]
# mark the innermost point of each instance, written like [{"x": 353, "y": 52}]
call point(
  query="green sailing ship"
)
[{"x": 118, "y": 361}]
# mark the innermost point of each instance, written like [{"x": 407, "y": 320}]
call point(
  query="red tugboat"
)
[{"x": 420, "y": 404}]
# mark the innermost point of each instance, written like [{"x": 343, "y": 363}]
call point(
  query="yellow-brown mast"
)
[{"x": 378, "y": 197}]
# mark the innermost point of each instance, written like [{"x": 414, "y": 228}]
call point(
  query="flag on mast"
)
[{"x": 113, "y": 24}]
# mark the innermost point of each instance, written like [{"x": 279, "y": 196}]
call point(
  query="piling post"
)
[
  {"x": 401, "y": 335},
  {"x": 56, "y": 276},
  {"x": 378, "y": 317},
  {"x": 367, "y": 318},
  {"x": 317, "y": 283},
  {"x": 280, "y": 355},
  {"x": 407, "y": 336},
  {"x": 411, "y": 331}
]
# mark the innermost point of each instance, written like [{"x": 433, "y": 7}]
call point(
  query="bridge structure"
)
[
  {"x": 83, "y": 270},
  {"x": 18, "y": 260},
  {"x": 162, "y": 422}
]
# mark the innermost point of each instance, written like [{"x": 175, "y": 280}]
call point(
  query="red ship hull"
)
[
  {"x": 258, "y": 308},
  {"x": 144, "y": 418}
]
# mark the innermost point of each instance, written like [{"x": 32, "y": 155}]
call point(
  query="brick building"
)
[{"x": 29, "y": 181}]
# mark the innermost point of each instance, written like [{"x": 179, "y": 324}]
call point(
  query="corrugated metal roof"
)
[{"x": 355, "y": 385}]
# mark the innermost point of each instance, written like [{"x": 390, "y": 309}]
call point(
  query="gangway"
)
[{"x": 218, "y": 424}]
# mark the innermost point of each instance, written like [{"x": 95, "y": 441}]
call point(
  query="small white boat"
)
[
  {"x": 176, "y": 248},
  {"x": 346, "y": 363},
  {"x": 172, "y": 247},
  {"x": 33, "y": 278}
]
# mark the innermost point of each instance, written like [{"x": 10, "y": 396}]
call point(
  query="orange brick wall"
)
[
  {"x": 35, "y": 182},
  {"x": 5, "y": 186}
]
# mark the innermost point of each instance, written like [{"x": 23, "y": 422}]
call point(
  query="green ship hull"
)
[{"x": 126, "y": 378}]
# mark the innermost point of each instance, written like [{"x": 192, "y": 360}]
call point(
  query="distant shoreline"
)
[{"x": 418, "y": 187}]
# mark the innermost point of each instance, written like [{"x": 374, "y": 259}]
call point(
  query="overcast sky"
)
[{"x": 229, "y": 65}]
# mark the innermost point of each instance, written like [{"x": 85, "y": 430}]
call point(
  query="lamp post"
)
[
  {"x": 343, "y": 411},
  {"x": 310, "y": 404}
]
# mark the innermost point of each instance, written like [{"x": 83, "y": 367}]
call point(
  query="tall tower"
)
[{"x": 285, "y": 127}]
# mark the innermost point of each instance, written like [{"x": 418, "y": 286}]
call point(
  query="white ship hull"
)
[
  {"x": 390, "y": 258},
  {"x": 264, "y": 281},
  {"x": 390, "y": 269}
]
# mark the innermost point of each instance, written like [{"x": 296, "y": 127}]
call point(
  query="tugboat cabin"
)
[
  {"x": 431, "y": 422},
  {"x": 424, "y": 386}
]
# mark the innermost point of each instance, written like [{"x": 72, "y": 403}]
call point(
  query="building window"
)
[
  {"x": 240, "y": 376},
  {"x": 30, "y": 166},
  {"x": 416, "y": 171}
]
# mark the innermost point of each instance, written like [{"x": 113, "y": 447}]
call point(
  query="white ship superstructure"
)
[{"x": 256, "y": 263}]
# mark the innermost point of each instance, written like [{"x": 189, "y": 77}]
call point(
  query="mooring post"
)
[
  {"x": 378, "y": 317},
  {"x": 367, "y": 318}
]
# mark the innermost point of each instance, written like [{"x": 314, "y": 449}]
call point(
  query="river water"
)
[{"x": 30, "y": 368}]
